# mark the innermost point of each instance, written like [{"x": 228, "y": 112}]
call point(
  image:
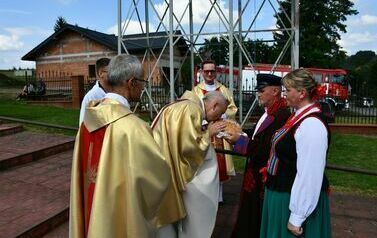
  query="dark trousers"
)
[{"x": 249, "y": 215}]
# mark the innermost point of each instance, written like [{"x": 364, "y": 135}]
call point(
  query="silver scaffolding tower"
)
[{"x": 236, "y": 20}]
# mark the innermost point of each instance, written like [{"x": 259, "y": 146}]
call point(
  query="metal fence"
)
[
  {"x": 58, "y": 88},
  {"x": 89, "y": 83},
  {"x": 248, "y": 97},
  {"x": 160, "y": 95},
  {"x": 361, "y": 110},
  {"x": 362, "y": 106}
]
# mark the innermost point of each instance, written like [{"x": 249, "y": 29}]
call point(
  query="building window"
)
[{"x": 92, "y": 71}]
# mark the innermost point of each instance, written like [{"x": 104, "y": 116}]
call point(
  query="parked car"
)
[
  {"x": 328, "y": 111},
  {"x": 365, "y": 102}
]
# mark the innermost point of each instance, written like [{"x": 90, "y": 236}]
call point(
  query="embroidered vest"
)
[{"x": 282, "y": 170}]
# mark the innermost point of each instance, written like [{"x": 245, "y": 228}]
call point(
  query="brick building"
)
[{"x": 73, "y": 50}]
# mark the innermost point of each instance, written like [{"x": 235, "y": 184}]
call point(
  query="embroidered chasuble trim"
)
[{"x": 91, "y": 152}]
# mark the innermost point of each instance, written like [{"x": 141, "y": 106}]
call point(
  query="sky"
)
[{"x": 26, "y": 23}]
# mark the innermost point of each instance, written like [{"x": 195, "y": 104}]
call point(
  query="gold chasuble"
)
[
  {"x": 230, "y": 113},
  {"x": 119, "y": 175},
  {"x": 178, "y": 131}
]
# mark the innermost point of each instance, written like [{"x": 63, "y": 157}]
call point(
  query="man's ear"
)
[
  {"x": 276, "y": 91},
  {"x": 130, "y": 83},
  {"x": 215, "y": 105}
]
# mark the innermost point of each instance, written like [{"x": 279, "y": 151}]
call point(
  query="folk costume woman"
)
[{"x": 296, "y": 202}]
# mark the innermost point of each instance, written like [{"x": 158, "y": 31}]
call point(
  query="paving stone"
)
[
  {"x": 8, "y": 129},
  {"x": 27, "y": 146},
  {"x": 28, "y": 201},
  {"x": 347, "y": 222},
  {"x": 352, "y": 215},
  {"x": 59, "y": 232}
]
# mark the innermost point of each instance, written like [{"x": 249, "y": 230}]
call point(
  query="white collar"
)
[
  {"x": 210, "y": 87},
  {"x": 298, "y": 111},
  {"x": 314, "y": 109},
  {"x": 118, "y": 98}
]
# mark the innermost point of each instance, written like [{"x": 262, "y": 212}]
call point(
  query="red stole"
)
[{"x": 91, "y": 145}]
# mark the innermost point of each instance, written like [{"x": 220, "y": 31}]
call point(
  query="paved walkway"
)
[
  {"x": 351, "y": 215},
  {"x": 32, "y": 193}
]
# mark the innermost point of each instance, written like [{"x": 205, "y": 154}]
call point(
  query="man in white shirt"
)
[{"x": 99, "y": 89}]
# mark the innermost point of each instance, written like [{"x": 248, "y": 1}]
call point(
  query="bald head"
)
[{"x": 215, "y": 105}]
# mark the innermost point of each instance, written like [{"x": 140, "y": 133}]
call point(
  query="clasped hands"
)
[{"x": 216, "y": 128}]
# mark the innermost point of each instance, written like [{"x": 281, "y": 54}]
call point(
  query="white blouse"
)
[{"x": 311, "y": 147}]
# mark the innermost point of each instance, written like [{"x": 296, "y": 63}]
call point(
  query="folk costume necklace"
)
[{"x": 273, "y": 161}]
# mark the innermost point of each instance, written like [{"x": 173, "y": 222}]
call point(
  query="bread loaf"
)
[{"x": 231, "y": 127}]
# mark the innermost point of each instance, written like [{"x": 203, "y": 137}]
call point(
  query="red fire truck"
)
[{"x": 333, "y": 84}]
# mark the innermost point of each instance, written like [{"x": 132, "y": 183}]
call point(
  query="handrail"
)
[
  {"x": 229, "y": 152},
  {"x": 39, "y": 123},
  {"x": 328, "y": 166}
]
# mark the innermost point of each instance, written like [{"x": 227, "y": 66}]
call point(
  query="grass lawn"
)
[
  {"x": 355, "y": 151},
  {"x": 40, "y": 113}
]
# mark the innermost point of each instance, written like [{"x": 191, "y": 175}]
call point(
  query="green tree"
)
[
  {"x": 359, "y": 59},
  {"x": 321, "y": 23},
  {"x": 372, "y": 79},
  {"x": 216, "y": 49},
  {"x": 362, "y": 71},
  {"x": 259, "y": 51},
  {"x": 59, "y": 24}
]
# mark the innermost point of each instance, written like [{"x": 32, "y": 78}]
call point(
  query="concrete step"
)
[
  {"x": 34, "y": 197},
  {"x": 61, "y": 231},
  {"x": 9, "y": 129},
  {"x": 24, "y": 147}
]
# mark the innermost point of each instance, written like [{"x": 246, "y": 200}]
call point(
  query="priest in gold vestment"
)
[
  {"x": 119, "y": 175},
  {"x": 225, "y": 162},
  {"x": 189, "y": 207}
]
